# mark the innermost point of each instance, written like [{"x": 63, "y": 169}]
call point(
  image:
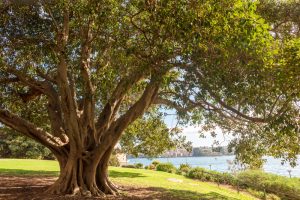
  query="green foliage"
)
[
  {"x": 222, "y": 63},
  {"x": 150, "y": 167},
  {"x": 212, "y": 176},
  {"x": 200, "y": 174},
  {"x": 155, "y": 162},
  {"x": 178, "y": 172},
  {"x": 166, "y": 167},
  {"x": 259, "y": 183},
  {"x": 150, "y": 136},
  {"x": 139, "y": 165},
  {"x": 284, "y": 187},
  {"x": 129, "y": 166},
  {"x": 14, "y": 145},
  {"x": 184, "y": 168},
  {"x": 135, "y": 166},
  {"x": 262, "y": 195},
  {"x": 113, "y": 160}
]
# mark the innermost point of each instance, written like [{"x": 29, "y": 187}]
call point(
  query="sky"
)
[{"x": 192, "y": 133}]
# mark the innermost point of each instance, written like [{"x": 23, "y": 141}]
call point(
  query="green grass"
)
[
  {"x": 28, "y": 167},
  {"x": 158, "y": 181}
]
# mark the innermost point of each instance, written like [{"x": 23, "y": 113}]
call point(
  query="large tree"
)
[{"x": 75, "y": 74}]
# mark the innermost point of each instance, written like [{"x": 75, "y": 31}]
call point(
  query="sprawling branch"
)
[
  {"x": 114, "y": 132},
  {"x": 88, "y": 115},
  {"x": 8, "y": 80},
  {"x": 138, "y": 108},
  {"x": 30, "y": 130},
  {"x": 111, "y": 108},
  {"x": 199, "y": 104},
  {"x": 247, "y": 117},
  {"x": 38, "y": 88},
  {"x": 67, "y": 102},
  {"x": 25, "y": 79}
]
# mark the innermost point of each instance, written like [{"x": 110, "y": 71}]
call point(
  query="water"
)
[{"x": 220, "y": 163}]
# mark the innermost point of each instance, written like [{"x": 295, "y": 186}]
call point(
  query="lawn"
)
[{"x": 172, "y": 185}]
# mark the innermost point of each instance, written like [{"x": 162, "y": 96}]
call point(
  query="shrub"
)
[
  {"x": 155, "y": 163},
  {"x": 197, "y": 173},
  {"x": 227, "y": 178},
  {"x": 179, "y": 172},
  {"x": 129, "y": 166},
  {"x": 201, "y": 174},
  {"x": 184, "y": 168},
  {"x": 284, "y": 187},
  {"x": 113, "y": 161},
  {"x": 166, "y": 167},
  {"x": 262, "y": 195},
  {"x": 139, "y": 165},
  {"x": 152, "y": 167},
  {"x": 213, "y": 176}
]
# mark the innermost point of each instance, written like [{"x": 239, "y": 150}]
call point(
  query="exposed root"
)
[
  {"x": 83, "y": 178},
  {"x": 64, "y": 186},
  {"x": 78, "y": 191},
  {"x": 113, "y": 186}
]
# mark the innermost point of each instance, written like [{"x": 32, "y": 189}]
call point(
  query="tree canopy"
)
[{"x": 75, "y": 74}]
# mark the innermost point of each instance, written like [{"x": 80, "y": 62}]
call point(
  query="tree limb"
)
[{"x": 30, "y": 130}]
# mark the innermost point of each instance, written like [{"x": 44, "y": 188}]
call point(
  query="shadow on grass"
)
[
  {"x": 184, "y": 194},
  {"x": 131, "y": 193},
  {"x": 116, "y": 174},
  {"x": 168, "y": 194},
  {"x": 22, "y": 172}
]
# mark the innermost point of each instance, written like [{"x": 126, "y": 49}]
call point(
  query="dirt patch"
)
[{"x": 33, "y": 188}]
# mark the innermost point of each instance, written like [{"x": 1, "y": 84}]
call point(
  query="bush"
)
[
  {"x": 14, "y": 145},
  {"x": 213, "y": 176},
  {"x": 262, "y": 195},
  {"x": 151, "y": 167},
  {"x": 284, "y": 187},
  {"x": 227, "y": 178},
  {"x": 197, "y": 173},
  {"x": 135, "y": 166},
  {"x": 113, "y": 161},
  {"x": 155, "y": 163},
  {"x": 184, "y": 168},
  {"x": 139, "y": 165},
  {"x": 129, "y": 166},
  {"x": 166, "y": 167},
  {"x": 179, "y": 172}
]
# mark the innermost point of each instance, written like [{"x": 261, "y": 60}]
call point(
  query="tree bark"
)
[{"x": 81, "y": 176}]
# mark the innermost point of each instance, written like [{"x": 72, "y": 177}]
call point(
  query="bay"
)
[{"x": 221, "y": 164}]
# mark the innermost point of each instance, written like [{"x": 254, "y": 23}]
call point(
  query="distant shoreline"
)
[
  {"x": 220, "y": 163},
  {"x": 183, "y": 156}
]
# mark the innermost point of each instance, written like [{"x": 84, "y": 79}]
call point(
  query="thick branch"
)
[
  {"x": 199, "y": 104},
  {"x": 87, "y": 117},
  {"x": 25, "y": 79},
  {"x": 30, "y": 130},
  {"x": 8, "y": 80},
  {"x": 237, "y": 112},
  {"x": 114, "y": 132},
  {"x": 111, "y": 108},
  {"x": 42, "y": 87},
  {"x": 67, "y": 101}
]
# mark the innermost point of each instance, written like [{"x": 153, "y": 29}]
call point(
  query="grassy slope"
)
[{"x": 186, "y": 189}]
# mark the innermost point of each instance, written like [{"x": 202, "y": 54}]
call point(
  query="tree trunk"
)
[{"x": 83, "y": 176}]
